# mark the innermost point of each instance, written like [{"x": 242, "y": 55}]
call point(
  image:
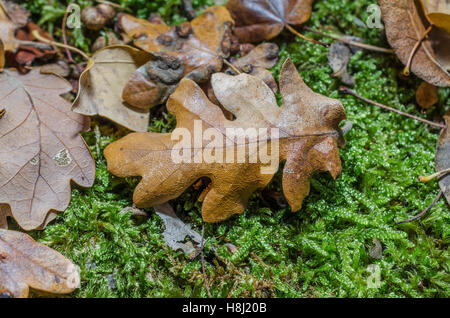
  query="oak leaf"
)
[
  {"x": 258, "y": 20},
  {"x": 25, "y": 264},
  {"x": 308, "y": 141},
  {"x": 437, "y": 13},
  {"x": 404, "y": 28},
  {"x": 41, "y": 147},
  {"x": 199, "y": 46},
  {"x": 102, "y": 82}
]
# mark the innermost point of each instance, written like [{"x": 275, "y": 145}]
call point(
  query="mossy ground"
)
[{"x": 321, "y": 251}]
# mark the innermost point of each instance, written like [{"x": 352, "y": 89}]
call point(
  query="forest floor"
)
[{"x": 321, "y": 251}]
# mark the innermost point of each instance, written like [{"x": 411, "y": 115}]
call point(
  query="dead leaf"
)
[
  {"x": 26, "y": 264},
  {"x": 438, "y": 13},
  {"x": 404, "y": 27},
  {"x": 7, "y": 29},
  {"x": 308, "y": 138},
  {"x": 102, "y": 82},
  {"x": 338, "y": 57},
  {"x": 41, "y": 147},
  {"x": 258, "y": 20},
  {"x": 443, "y": 158},
  {"x": 426, "y": 95},
  {"x": 176, "y": 231},
  {"x": 18, "y": 14},
  {"x": 200, "y": 46}
]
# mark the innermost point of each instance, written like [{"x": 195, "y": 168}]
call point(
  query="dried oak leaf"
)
[
  {"x": 102, "y": 82},
  {"x": 437, "y": 13},
  {"x": 308, "y": 141},
  {"x": 405, "y": 25},
  {"x": 25, "y": 264},
  {"x": 258, "y": 20},
  {"x": 443, "y": 158},
  {"x": 200, "y": 46},
  {"x": 41, "y": 147}
]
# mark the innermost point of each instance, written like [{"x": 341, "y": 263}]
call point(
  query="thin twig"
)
[
  {"x": 423, "y": 212},
  {"x": 294, "y": 31},
  {"x": 346, "y": 90},
  {"x": 406, "y": 70},
  {"x": 203, "y": 261},
  {"x": 234, "y": 68},
  {"x": 38, "y": 45},
  {"x": 434, "y": 175},
  {"x": 69, "y": 55},
  {"x": 350, "y": 42},
  {"x": 36, "y": 34}
]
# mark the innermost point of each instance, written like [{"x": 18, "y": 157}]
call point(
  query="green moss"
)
[{"x": 321, "y": 251}]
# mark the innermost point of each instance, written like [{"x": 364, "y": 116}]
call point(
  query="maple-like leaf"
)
[
  {"x": 41, "y": 149},
  {"x": 199, "y": 47},
  {"x": 25, "y": 264},
  {"x": 308, "y": 140},
  {"x": 258, "y": 20},
  {"x": 102, "y": 82},
  {"x": 404, "y": 28}
]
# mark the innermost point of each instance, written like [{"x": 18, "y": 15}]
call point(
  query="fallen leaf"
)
[
  {"x": 7, "y": 29},
  {"x": 176, "y": 231},
  {"x": 443, "y": 158},
  {"x": 25, "y": 264},
  {"x": 404, "y": 27},
  {"x": 258, "y": 20},
  {"x": 426, "y": 95},
  {"x": 438, "y": 13},
  {"x": 308, "y": 140},
  {"x": 18, "y": 14},
  {"x": 338, "y": 57},
  {"x": 102, "y": 82},
  {"x": 41, "y": 147},
  {"x": 200, "y": 46}
]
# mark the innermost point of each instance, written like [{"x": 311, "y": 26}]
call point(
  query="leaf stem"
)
[
  {"x": 350, "y": 42},
  {"x": 406, "y": 70},
  {"x": 294, "y": 31},
  {"x": 422, "y": 213},
  {"x": 234, "y": 68},
  {"x": 434, "y": 175},
  {"x": 346, "y": 90},
  {"x": 36, "y": 34}
]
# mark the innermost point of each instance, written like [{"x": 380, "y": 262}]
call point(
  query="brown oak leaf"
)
[
  {"x": 405, "y": 26},
  {"x": 258, "y": 20},
  {"x": 198, "y": 48},
  {"x": 437, "y": 13},
  {"x": 308, "y": 141},
  {"x": 41, "y": 147},
  {"x": 26, "y": 264},
  {"x": 102, "y": 82}
]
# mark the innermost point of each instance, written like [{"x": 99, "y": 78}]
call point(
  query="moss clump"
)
[{"x": 321, "y": 251}]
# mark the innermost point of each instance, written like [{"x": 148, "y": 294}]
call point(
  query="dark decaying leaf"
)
[
  {"x": 196, "y": 48},
  {"x": 426, "y": 95},
  {"x": 338, "y": 57},
  {"x": 26, "y": 264},
  {"x": 308, "y": 141},
  {"x": 443, "y": 158},
  {"x": 42, "y": 150},
  {"x": 404, "y": 27},
  {"x": 176, "y": 232},
  {"x": 258, "y": 20}
]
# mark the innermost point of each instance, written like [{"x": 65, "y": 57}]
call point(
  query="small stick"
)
[
  {"x": 203, "y": 261},
  {"x": 234, "y": 68},
  {"x": 2, "y": 113},
  {"x": 346, "y": 90},
  {"x": 38, "y": 45},
  {"x": 294, "y": 31},
  {"x": 434, "y": 175},
  {"x": 36, "y": 34},
  {"x": 406, "y": 70},
  {"x": 350, "y": 42},
  {"x": 422, "y": 213}
]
